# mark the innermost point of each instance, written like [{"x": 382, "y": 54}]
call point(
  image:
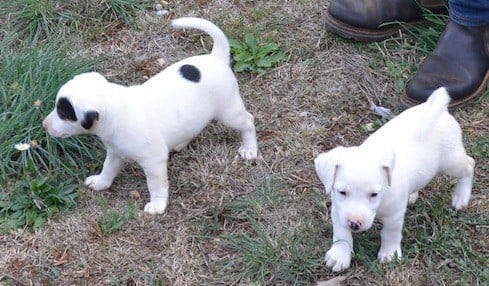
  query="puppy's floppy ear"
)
[
  {"x": 327, "y": 165},
  {"x": 388, "y": 163},
  {"x": 89, "y": 119}
]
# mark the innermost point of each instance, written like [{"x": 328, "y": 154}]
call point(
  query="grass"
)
[
  {"x": 426, "y": 35},
  {"x": 440, "y": 239},
  {"x": 41, "y": 20},
  {"x": 267, "y": 250},
  {"x": 229, "y": 222},
  {"x": 32, "y": 19},
  {"x": 113, "y": 220},
  {"x": 30, "y": 79},
  {"x": 420, "y": 38},
  {"x": 120, "y": 10},
  {"x": 264, "y": 259},
  {"x": 480, "y": 148}
]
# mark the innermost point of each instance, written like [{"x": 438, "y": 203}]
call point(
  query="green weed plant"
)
[
  {"x": 253, "y": 57},
  {"x": 32, "y": 202}
]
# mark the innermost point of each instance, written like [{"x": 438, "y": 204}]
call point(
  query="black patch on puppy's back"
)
[
  {"x": 89, "y": 119},
  {"x": 190, "y": 73},
  {"x": 65, "y": 109}
]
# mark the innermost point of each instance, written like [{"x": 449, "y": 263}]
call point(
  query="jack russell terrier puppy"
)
[
  {"x": 143, "y": 123},
  {"x": 379, "y": 177}
]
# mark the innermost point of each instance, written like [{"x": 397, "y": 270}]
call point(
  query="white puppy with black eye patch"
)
[
  {"x": 144, "y": 123},
  {"x": 379, "y": 177}
]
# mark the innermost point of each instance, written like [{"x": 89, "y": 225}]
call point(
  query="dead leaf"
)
[
  {"x": 332, "y": 282},
  {"x": 62, "y": 257},
  {"x": 202, "y": 2},
  {"x": 135, "y": 194}
]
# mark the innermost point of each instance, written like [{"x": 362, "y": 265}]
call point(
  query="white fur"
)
[
  {"x": 379, "y": 177},
  {"x": 144, "y": 123}
]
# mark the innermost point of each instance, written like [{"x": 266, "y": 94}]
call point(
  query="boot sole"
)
[
  {"x": 407, "y": 102},
  {"x": 363, "y": 34}
]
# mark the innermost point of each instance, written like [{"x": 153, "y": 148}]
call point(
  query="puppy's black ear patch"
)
[
  {"x": 89, "y": 119},
  {"x": 190, "y": 73},
  {"x": 65, "y": 109}
]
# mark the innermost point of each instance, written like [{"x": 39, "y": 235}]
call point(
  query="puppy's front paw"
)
[
  {"x": 338, "y": 257},
  {"x": 97, "y": 183},
  {"x": 248, "y": 152},
  {"x": 156, "y": 206},
  {"x": 386, "y": 254},
  {"x": 460, "y": 200}
]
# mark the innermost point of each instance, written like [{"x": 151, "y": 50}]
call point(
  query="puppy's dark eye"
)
[
  {"x": 373, "y": 195},
  {"x": 343, "y": 193}
]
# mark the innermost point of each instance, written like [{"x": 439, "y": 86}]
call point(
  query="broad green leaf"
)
[
  {"x": 235, "y": 45},
  {"x": 275, "y": 58},
  {"x": 243, "y": 57},
  {"x": 241, "y": 66},
  {"x": 264, "y": 63},
  {"x": 251, "y": 42},
  {"x": 268, "y": 48}
]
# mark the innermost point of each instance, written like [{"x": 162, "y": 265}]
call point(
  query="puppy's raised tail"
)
[
  {"x": 436, "y": 104},
  {"x": 221, "y": 48}
]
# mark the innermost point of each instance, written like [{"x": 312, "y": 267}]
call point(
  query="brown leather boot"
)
[
  {"x": 364, "y": 20},
  {"x": 460, "y": 62}
]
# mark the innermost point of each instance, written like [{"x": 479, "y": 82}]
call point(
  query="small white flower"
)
[
  {"x": 162, "y": 12},
  {"x": 22, "y": 146}
]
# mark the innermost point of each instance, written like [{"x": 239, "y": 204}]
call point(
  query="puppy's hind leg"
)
[
  {"x": 236, "y": 116},
  {"x": 156, "y": 173},
  {"x": 461, "y": 167}
]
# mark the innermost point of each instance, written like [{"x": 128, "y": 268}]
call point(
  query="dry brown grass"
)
[{"x": 315, "y": 100}]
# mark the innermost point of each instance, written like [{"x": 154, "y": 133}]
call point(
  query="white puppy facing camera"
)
[
  {"x": 143, "y": 123},
  {"x": 378, "y": 178}
]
